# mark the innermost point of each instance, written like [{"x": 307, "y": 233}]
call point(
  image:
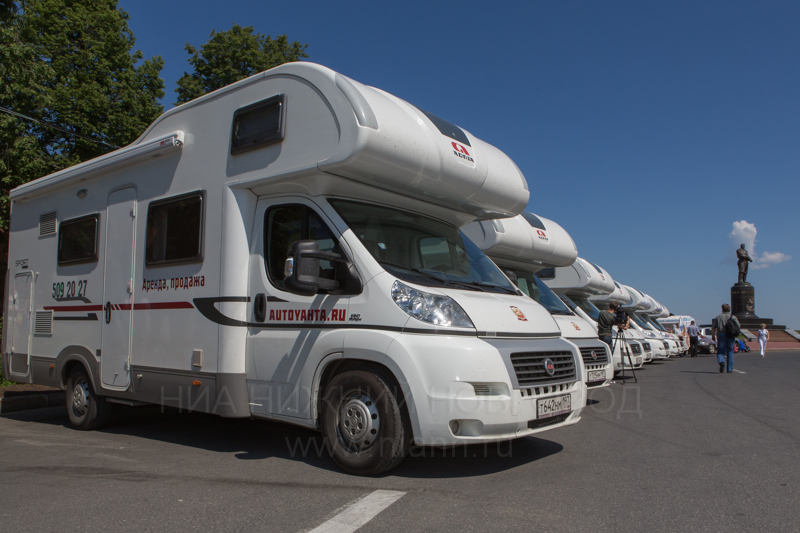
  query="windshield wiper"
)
[
  {"x": 484, "y": 286},
  {"x": 417, "y": 271}
]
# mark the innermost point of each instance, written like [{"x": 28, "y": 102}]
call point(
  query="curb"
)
[{"x": 31, "y": 401}]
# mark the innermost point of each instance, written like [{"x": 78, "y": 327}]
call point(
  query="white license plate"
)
[
  {"x": 597, "y": 375},
  {"x": 558, "y": 405}
]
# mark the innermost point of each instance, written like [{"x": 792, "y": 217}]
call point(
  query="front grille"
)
[
  {"x": 666, "y": 345},
  {"x": 530, "y": 372},
  {"x": 646, "y": 346},
  {"x": 599, "y": 351},
  {"x": 544, "y": 422},
  {"x": 636, "y": 349}
]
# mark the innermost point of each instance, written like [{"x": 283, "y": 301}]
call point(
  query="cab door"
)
[{"x": 289, "y": 334}]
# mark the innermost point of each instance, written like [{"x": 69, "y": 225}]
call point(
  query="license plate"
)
[
  {"x": 597, "y": 375},
  {"x": 558, "y": 405}
]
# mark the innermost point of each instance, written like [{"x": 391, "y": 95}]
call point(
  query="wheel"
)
[
  {"x": 86, "y": 409},
  {"x": 365, "y": 429}
]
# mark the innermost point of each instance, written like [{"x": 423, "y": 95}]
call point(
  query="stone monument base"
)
[{"x": 743, "y": 306}]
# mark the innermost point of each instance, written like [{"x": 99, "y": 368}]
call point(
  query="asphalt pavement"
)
[{"x": 684, "y": 449}]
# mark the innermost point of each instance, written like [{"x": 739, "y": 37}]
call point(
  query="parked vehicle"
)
[
  {"x": 287, "y": 247},
  {"x": 525, "y": 244}
]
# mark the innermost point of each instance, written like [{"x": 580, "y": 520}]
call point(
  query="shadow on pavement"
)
[{"x": 249, "y": 440}]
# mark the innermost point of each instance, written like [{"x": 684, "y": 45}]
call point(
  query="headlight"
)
[{"x": 430, "y": 308}]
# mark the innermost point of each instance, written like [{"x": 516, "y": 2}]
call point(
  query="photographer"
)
[{"x": 610, "y": 318}]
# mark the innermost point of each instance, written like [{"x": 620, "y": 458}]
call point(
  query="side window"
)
[
  {"x": 77, "y": 240},
  {"x": 175, "y": 230},
  {"x": 286, "y": 224}
]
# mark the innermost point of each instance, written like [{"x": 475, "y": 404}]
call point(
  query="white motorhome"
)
[
  {"x": 575, "y": 284},
  {"x": 287, "y": 247},
  {"x": 651, "y": 343},
  {"x": 671, "y": 342},
  {"x": 525, "y": 244}
]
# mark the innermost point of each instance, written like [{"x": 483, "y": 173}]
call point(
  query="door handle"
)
[
  {"x": 260, "y": 307},
  {"x": 108, "y": 312}
]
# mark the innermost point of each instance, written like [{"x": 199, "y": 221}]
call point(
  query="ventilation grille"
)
[
  {"x": 544, "y": 422},
  {"x": 47, "y": 223},
  {"x": 599, "y": 352},
  {"x": 635, "y": 348},
  {"x": 530, "y": 370},
  {"x": 482, "y": 389},
  {"x": 666, "y": 344},
  {"x": 646, "y": 346},
  {"x": 43, "y": 323}
]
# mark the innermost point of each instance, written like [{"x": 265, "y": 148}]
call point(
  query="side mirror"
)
[
  {"x": 512, "y": 276},
  {"x": 301, "y": 271}
]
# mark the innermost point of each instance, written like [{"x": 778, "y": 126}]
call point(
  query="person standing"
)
[
  {"x": 606, "y": 321},
  {"x": 693, "y": 332},
  {"x": 763, "y": 337},
  {"x": 724, "y": 344}
]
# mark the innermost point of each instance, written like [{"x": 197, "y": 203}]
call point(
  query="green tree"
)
[
  {"x": 230, "y": 56},
  {"x": 69, "y": 64}
]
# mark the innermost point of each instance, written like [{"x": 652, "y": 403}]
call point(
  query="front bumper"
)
[{"x": 464, "y": 390}]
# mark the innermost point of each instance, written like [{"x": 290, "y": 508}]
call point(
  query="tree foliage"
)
[
  {"x": 69, "y": 63},
  {"x": 230, "y": 56}
]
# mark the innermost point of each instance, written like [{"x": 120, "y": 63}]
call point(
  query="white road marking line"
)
[
  {"x": 359, "y": 512},
  {"x": 739, "y": 371}
]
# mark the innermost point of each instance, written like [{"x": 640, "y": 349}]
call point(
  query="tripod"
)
[{"x": 624, "y": 349}]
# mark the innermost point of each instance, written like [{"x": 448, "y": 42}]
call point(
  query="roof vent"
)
[{"x": 47, "y": 223}]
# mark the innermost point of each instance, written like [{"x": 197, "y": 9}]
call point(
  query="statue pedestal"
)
[
  {"x": 743, "y": 300},
  {"x": 743, "y": 307}
]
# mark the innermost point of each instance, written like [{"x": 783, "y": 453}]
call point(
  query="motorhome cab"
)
[
  {"x": 671, "y": 343},
  {"x": 525, "y": 244},
  {"x": 575, "y": 285},
  {"x": 287, "y": 247}
]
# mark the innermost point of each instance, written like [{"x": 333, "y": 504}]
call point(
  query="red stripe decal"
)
[
  {"x": 73, "y": 308},
  {"x": 162, "y": 305}
]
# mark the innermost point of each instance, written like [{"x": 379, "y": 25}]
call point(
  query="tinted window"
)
[
  {"x": 259, "y": 124},
  {"x": 77, "y": 240},
  {"x": 546, "y": 273},
  {"x": 533, "y": 220},
  {"x": 175, "y": 230},
  {"x": 447, "y": 129},
  {"x": 283, "y": 225}
]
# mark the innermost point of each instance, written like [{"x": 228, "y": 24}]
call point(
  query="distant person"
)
[
  {"x": 693, "y": 332},
  {"x": 743, "y": 347},
  {"x": 606, "y": 321},
  {"x": 763, "y": 337},
  {"x": 725, "y": 344}
]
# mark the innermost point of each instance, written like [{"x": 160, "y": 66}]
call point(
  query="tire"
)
[
  {"x": 86, "y": 409},
  {"x": 364, "y": 428}
]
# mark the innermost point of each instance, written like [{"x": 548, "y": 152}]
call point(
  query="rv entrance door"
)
[
  {"x": 118, "y": 289},
  {"x": 21, "y": 320}
]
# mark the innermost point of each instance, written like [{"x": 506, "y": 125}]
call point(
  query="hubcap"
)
[
  {"x": 358, "y": 421},
  {"x": 80, "y": 398}
]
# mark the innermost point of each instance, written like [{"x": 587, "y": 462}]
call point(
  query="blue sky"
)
[{"x": 646, "y": 129}]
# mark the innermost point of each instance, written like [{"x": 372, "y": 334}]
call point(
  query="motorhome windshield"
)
[
  {"x": 639, "y": 321},
  {"x": 536, "y": 289},
  {"x": 587, "y": 307},
  {"x": 656, "y": 324},
  {"x": 422, "y": 250}
]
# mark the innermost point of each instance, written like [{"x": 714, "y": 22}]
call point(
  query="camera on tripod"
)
[{"x": 620, "y": 316}]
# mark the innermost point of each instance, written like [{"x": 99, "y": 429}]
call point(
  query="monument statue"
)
[{"x": 744, "y": 258}]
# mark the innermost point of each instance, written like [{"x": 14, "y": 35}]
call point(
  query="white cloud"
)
[{"x": 745, "y": 233}]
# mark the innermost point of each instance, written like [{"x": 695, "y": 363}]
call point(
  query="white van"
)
[
  {"x": 287, "y": 247},
  {"x": 525, "y": 244},
  {"x": 583, "y": 280}
]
